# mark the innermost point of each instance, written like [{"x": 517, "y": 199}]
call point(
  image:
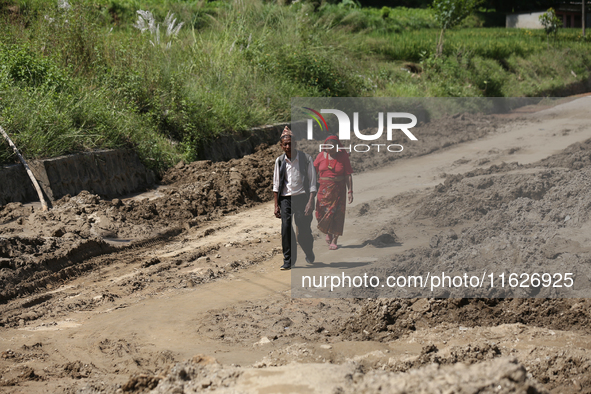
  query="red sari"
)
[{"x": 332, "y": 193}]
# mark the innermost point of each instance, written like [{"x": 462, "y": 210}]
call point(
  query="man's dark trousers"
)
[{"x": 292, "y": 209}]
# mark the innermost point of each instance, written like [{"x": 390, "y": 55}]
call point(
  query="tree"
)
[
  {"x": 449, "y": 13},
  {"x": 550, "y": 22}
]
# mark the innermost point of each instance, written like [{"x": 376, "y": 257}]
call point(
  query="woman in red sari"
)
[{"x": 334, "y": 174}]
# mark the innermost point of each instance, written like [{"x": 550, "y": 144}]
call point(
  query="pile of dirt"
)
[
  {"x": 471, "y": 195},
  {"x": 575, "y": 157},
  {"x": 502, "y": 375},
  {"x": 525, "y": 222},
  {"x": 199, "y": 190},
  {"x": 28, "y": 264},
  {"x": 392, "y": 318},
  {"x": 311, "y": 331},
  {"x": 463, "y": 198},
  {"x": 531, "y": 220},
  {"x": 35, "y": 245},
  {"x": 255, "y": 169}
]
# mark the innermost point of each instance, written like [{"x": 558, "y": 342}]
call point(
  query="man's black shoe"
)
[
  {"x": 285, "y": 267},
  {"x": 311, "y": 259}
]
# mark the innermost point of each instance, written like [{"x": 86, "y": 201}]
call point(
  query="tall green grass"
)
[
  {"x": 239, "y": 72},
  {"x": 85, "y": 78}
]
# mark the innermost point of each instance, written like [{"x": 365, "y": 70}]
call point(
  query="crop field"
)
[{"x": 491, "y": 43}]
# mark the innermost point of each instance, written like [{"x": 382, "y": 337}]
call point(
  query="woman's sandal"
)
[
  {"x": 328, "y": 239},
  {"x": 333, "y": 247}
]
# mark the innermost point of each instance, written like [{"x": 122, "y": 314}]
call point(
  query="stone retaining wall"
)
[
  {"x": 15, "y": 185},
  {"x": 109, "y": 173},
  {"x": 114, "y": 173},
  {"x": 235, "y": 146}
]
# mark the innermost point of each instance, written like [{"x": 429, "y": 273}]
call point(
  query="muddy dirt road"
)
[{"x": 179, "y": 290}]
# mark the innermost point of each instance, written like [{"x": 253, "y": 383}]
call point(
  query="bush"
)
[
  {"x": 488, "y": 76},
  {"x": 21, "y": 66}
]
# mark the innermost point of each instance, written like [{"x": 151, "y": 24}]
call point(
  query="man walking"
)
[{"x": 294, "y": 189}]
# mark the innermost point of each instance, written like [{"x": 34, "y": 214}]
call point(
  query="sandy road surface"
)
[
  {"x": 544, "y": 133},
  {"x": 215, "y": 289}
]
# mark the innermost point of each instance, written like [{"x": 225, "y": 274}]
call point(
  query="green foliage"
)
[
  {"x": 79, "y": 120},
  {"x": 464, "y": 75},
  {"x": 350, "y": 4},
  {"x": 93, "y": 81},
  {"x": 548, "y": 72},
  {"x": 374, "y": 20},
  {"x": 449, "y": 13},
  {"x": 21, "y": 66},
  {"x": 490, "y": 63},
  {"x": 472, "y": 21},
  {"x": 492, "y": 43},
  {"x": 550, "y": 22},
  {"x": 73, "y": 35},
  {"x": 317, "y": 73}
]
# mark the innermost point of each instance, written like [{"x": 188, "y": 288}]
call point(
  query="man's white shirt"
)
[{"x": 294, "y": 183}]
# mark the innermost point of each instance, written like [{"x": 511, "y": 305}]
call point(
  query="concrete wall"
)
[
  {"x": 15, "y": 185},
  {"x": 114, "y": 173},
  {"x": 109, "y": 173},
  {"x": 532, "y": 21},
  {"x": 524, "y": 21},
  {"x": 234, "y": 146}
]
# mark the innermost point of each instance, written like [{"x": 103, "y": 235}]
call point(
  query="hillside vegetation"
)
[{"x": 79, "y": 76}]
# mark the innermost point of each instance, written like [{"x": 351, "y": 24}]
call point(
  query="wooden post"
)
[
  {"x": 22, "y": 159},
  {"x": 584, "y": 16}
]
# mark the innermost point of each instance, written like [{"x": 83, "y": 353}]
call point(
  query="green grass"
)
[
  {"x": 492, "y": 43},
  {"x": 89, "y": 80},
  {"x": 384, "y": 20}
]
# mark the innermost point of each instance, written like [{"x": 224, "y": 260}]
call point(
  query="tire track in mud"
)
[
  {"x": 177, "y": 259},
  {"x": 60, "y": 268}
]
